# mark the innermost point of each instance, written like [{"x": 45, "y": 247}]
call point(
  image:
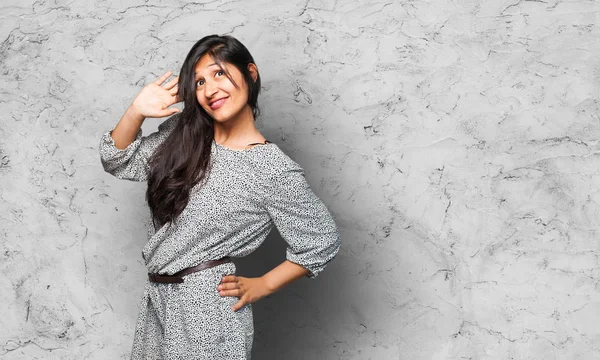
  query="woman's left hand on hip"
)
[{"x": 248, "y": 290}]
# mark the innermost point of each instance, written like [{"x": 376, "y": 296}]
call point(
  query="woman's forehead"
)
[
  {"x": 201, "y": 66},
  {"x": 206, "y": 61}
]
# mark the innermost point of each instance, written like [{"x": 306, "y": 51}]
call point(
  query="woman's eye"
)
[{"x": 217, "y": 73}]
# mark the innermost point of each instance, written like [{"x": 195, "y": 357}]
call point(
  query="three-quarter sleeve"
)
[
  {"x": 131, "y": 163},
  {"x": 303, "y": 221}
]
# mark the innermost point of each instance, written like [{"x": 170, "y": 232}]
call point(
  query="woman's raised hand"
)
[{"x": 155, "y": 98}]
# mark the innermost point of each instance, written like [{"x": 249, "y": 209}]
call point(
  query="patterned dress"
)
[{"x": 247, "y": 192}]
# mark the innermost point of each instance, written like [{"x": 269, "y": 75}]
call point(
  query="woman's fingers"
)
[
  {"x": 164, "y": 77},
  {"x": 228, "y": 278},
  {"x": 173, "y": 87},
  {"x": 228, "y": 286},
  {"x": 236, "y": 292},
  {"x": 171, "y": 83},
  {"x": 155, "y": 99},
  {"x": 240, "y": 304}
]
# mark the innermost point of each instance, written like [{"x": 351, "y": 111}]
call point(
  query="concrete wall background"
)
[{"x": 455, "y": 142}]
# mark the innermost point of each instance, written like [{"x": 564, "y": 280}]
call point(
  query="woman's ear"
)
[{"x": 253, "y": 71}]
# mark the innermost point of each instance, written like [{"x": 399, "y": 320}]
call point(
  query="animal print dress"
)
[{"x": 247, "y": 192}]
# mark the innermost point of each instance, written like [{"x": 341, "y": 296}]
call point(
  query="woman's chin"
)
[
  {"x": 220, "y": 119},
  {"x": 224, "y": 116}
]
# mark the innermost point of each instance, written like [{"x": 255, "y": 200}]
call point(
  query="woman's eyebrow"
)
[{"x": 195, "y": 72}]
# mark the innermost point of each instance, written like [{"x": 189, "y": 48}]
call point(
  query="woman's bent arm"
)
[
  {"x": 152, "y": 101},
  {"x": 131, "y": 163},
  {"x": 124, "y": 152},
  {"x": 285, "y": 273},
  {"x": 250, "y": 290},
  {"x": 127, "y": 128}
]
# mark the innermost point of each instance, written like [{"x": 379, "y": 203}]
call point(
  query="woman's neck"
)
[{"x": 238, "y": 131}]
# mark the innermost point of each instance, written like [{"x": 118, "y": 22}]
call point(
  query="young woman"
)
[{"x": 216, "y": 188}]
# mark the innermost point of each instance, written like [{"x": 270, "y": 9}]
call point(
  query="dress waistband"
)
[{"x": 178, "y": 276}]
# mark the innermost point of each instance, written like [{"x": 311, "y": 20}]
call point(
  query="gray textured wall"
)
[{"x": 455, "y": 142}]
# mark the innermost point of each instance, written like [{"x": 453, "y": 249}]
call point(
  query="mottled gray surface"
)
[{"x": 455, "y": 143}]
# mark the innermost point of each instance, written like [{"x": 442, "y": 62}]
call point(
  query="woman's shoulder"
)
[{"x": 272, "y": 161}]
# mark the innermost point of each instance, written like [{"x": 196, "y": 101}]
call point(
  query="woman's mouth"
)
[{"x": 217, "y": 104}]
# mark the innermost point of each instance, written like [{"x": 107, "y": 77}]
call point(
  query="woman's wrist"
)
[
  {"x": 271, "y": 288},
  {"x": 285, "y": 273},
  {"x": 134, "y": 114}
]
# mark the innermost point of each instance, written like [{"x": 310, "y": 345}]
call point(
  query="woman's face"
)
[{"x": 216, "y": 93}]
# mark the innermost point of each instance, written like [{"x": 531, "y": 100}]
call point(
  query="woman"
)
[{"x": 216, "y": 188}]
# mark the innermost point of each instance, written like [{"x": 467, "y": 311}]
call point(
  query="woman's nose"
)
[{"x": 210, "y": 89}]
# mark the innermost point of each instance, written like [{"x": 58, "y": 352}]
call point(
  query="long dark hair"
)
[{"x": 183, "y": 159}]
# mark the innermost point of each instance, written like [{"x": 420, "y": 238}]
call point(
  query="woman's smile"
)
[{"x": 214, "y": 105}]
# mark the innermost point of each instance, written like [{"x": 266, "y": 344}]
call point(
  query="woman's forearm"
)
[
  {"x": 127, "y": 128},
  {"x": 285, "y": 273}
]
